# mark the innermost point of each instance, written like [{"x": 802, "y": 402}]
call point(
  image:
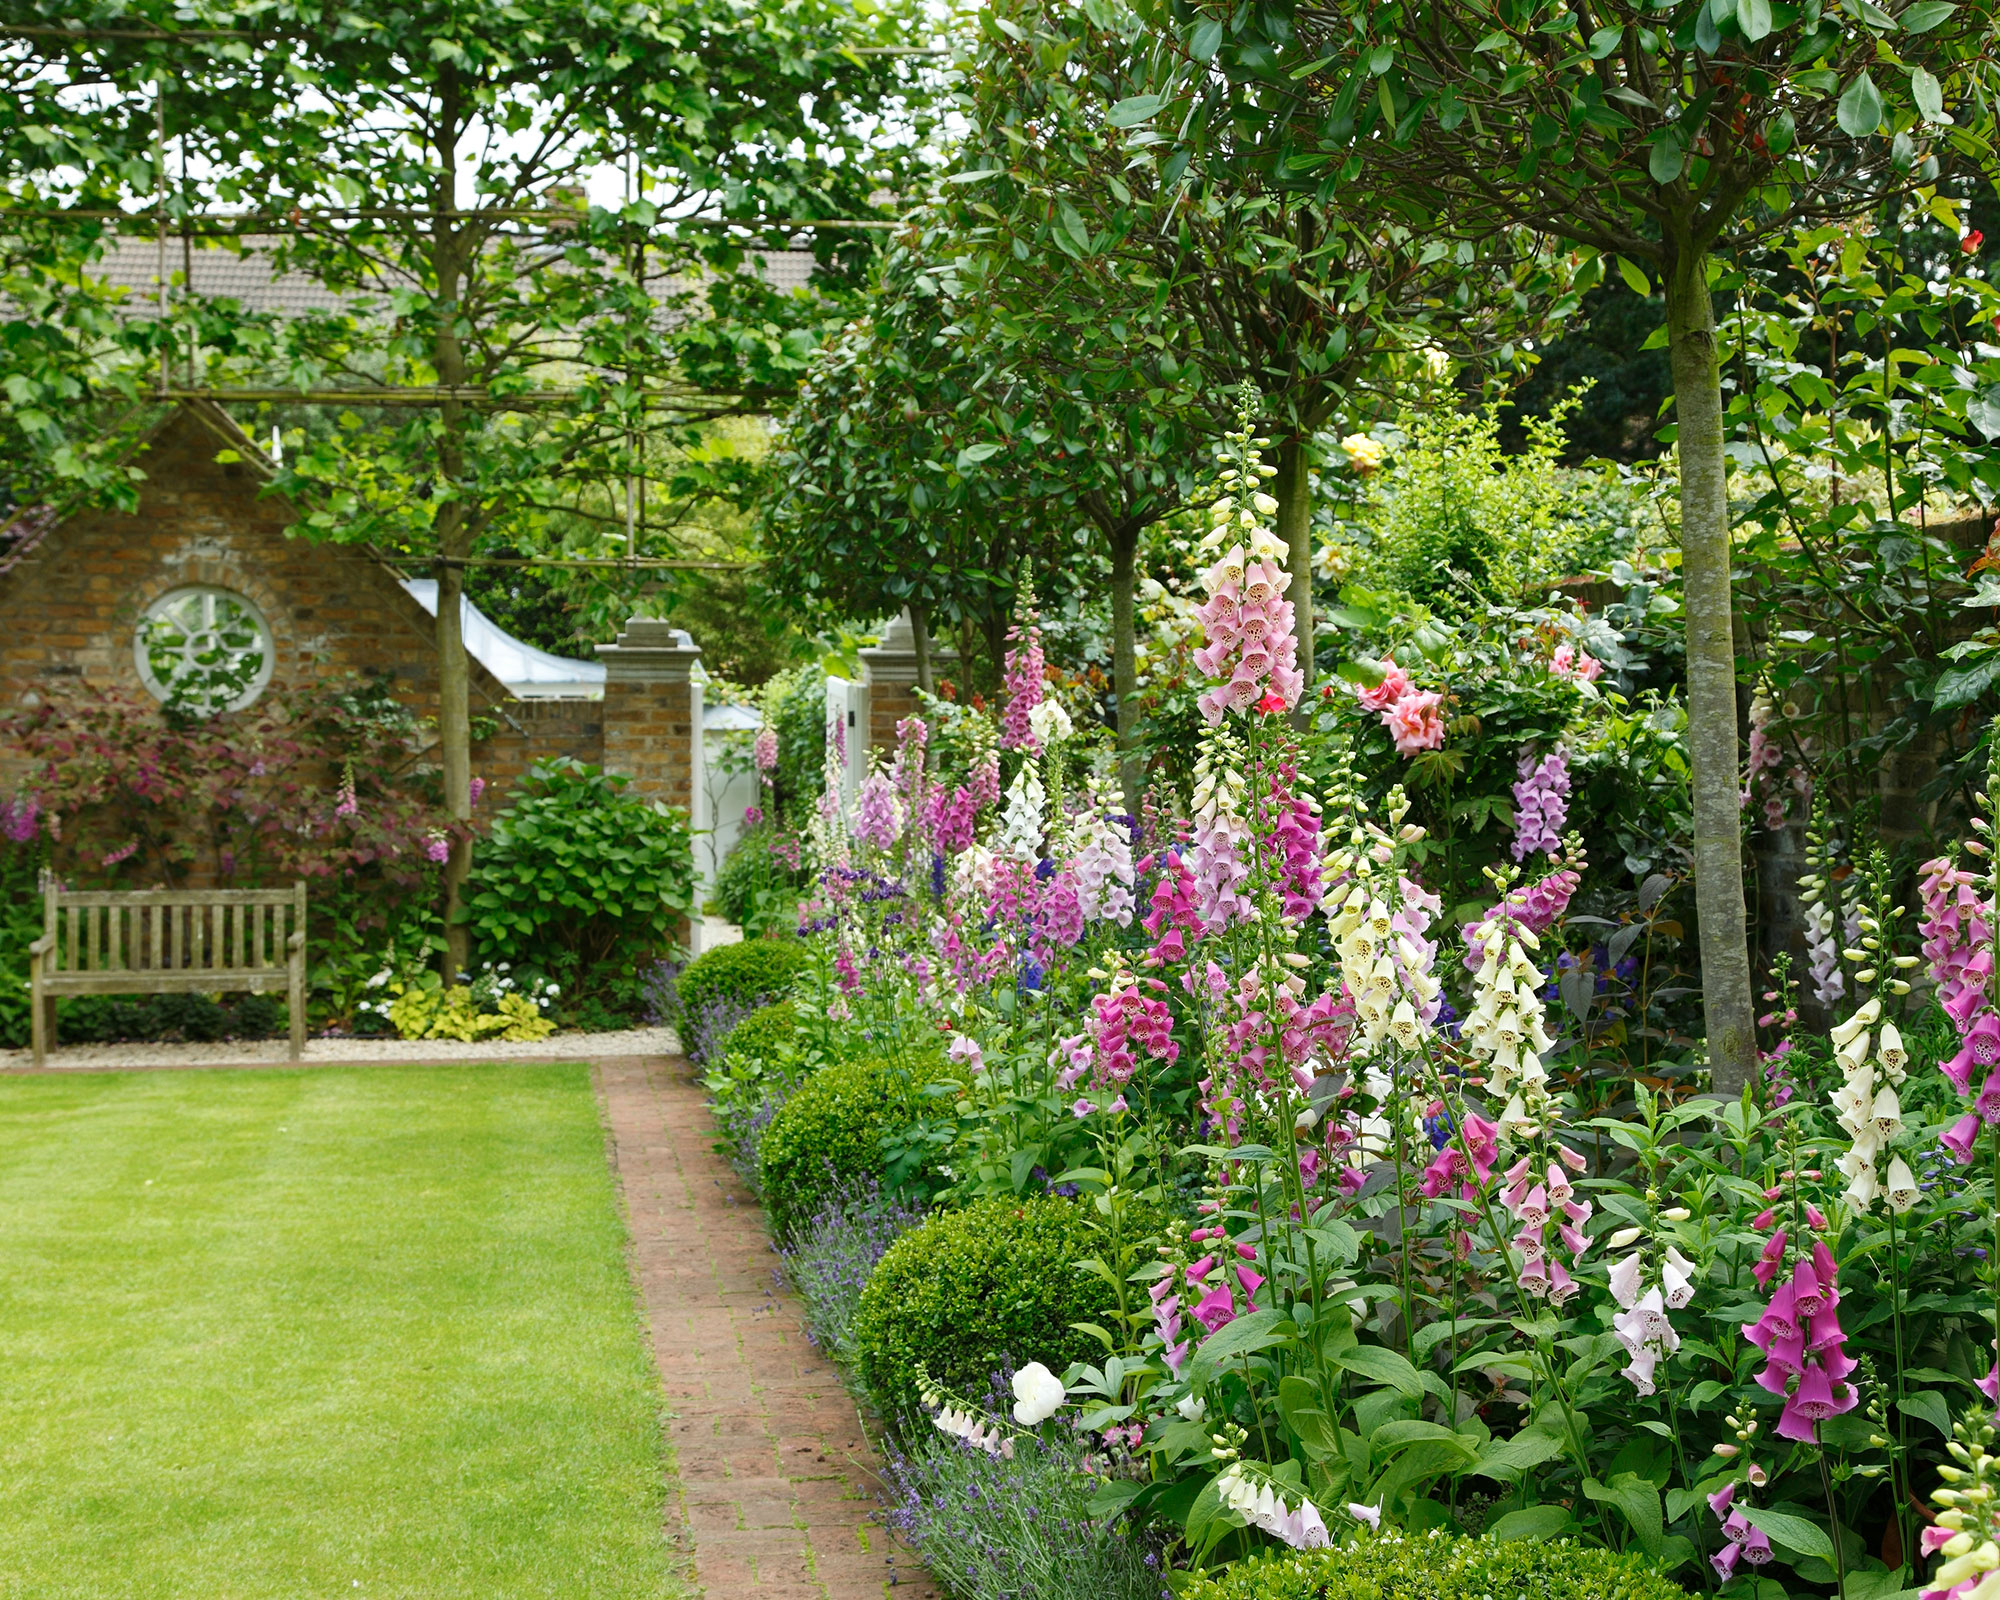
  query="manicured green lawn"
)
[{"x": 316, "y": 1334}]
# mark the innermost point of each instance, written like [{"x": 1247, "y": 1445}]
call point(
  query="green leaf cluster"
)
[{"x": 578, "y": 875}]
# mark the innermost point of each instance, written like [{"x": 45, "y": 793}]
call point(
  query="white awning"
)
[{"x": 528, "y": 673}]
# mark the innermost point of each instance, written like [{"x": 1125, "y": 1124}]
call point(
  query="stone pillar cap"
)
[
  {"x": 651, "y": 649},
  {"x": 894, "y": 659}
]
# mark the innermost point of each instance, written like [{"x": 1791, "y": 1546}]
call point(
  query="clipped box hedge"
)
[{"x": 1439, "y": 1566}]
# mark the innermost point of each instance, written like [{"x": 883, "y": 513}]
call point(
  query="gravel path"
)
[{"x": 327, "y": 1052}]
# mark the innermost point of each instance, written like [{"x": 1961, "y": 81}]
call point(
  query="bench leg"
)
[
  {"x": 298, "y": 1008},
  {"x": 42, "y": 1017}
]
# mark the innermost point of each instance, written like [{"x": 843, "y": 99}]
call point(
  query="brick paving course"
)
[{"x": 776, "y": 1477}]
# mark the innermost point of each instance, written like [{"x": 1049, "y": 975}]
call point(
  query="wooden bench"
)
[{"x": 167, "y": 941}]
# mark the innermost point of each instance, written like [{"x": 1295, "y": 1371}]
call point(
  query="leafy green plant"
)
[
  {"x": 1438, "y": 1566},
  {"x": 491, "y": 1006},
  {"x": 579, "y": 876},
  {"x": 828, "y": 1136},
  {"x": 20, "y": 926},
  {"x": 748, "y": 973},
  {"x": 759, "y": 884},
  {"x": 1000, "y": 1280},
  {"x": 1454, "y": 515}
]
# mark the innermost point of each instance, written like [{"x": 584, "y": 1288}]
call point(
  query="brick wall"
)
[{"x": 70, "y": 605}]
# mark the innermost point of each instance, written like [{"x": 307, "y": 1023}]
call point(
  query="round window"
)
[{"x": 204, "y": 651}]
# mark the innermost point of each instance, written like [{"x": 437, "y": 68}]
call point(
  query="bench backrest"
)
[{"x": 171, "y": 930}]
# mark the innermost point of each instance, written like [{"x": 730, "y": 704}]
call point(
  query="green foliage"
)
[
  {"x": 169, "y": 1018},
  {"x": 762, "y": 1034},
  {"x": 1456, "y": 514},
  {"x": 20, "y": 926},
  {"x": 1866, "y": 437},
  {"x": 971, "y": 1289},
  {"x": 578, "y": 875},
  {"x": 1438, "y": 1566},
  {"x": 489, "y": 1007},
  {"x": 745, "y": 974},
  {"x": 758, "y": 886},
  {"x": 795, "y": 705},
  {"x": 828, "y": 1138}
]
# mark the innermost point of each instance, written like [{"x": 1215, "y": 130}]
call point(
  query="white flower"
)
[
  {"x": 1021, "y": 824},
  {"x": 1050, "y": 723},
  {"x": 552, "y": 991},
  {"x": 1863, "y": 1187},
  {"x": 1372, "y": 1515},
  {"x": 1902, "y": 1192},
  {"x": 1191, "y": 1407},
  {"x": 379, "y": 979},
  {"x": 1624, "y": 1237},
  {"x": 966, "y": 1048},
  {"x": 1890, "y": 1047},
  {"x": 1859, "y": 1023},
  {"x": 1038, "y": 1395},
  {"x": 1886, "y": 1113},
  {"x": 1625, "y": 1280},
  {"x": 1677, "y": 1278}
]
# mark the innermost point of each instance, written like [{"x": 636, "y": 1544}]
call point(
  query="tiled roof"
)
[{"x": 133, "y": 263}]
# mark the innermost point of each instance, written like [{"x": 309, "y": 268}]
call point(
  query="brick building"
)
[{"x": 102, "y": 599}]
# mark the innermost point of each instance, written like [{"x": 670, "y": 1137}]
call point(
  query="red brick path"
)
[{"x": 776, "y": 1476}]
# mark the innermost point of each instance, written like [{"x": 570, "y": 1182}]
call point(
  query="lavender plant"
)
[
  {"x": 830, "y": 1258},
  {"x": 1019, "y": 1525}
]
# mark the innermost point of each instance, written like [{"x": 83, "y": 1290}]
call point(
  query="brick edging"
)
[{"x": 775, "y": 1475}]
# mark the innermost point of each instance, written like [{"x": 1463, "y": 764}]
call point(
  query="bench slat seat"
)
[{"x": 167, "y": 941}]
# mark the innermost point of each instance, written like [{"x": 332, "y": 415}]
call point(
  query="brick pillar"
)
[
  {"x": 889, "y": 669},
  {"x": 652, "y": 711}
]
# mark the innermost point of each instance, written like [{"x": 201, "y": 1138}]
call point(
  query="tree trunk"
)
[
  {"x": 1125, "y": 660},
  {"x": 1727, "y": 996},
  {"x": 1292, "y": 488},
  {"x": 454, "y": 529},
  {"x": 920, "y": 640},
  {"x": 454, "y": 730}
]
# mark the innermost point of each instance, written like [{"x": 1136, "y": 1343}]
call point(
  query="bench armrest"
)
[
  {"x": 43, "y": 945},
  {"x": 297, "y": 941}
]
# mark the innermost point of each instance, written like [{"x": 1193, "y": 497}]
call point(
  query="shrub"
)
[
  {"x": 972, "y": 1289},
  {"x": 759, "y": 1036},
  {"x": 962, "y": 1511},
  {"x": 170, "y": 1018},
  {"x": 828, "y": 1137},
  {"x": 20, "y": 919},
  {"x": 1439, "y": 1566},
  {"x": 578, "y": 879},
  {"x": 490, "y": 1006},
  {"x": 750, "y": 973}
]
